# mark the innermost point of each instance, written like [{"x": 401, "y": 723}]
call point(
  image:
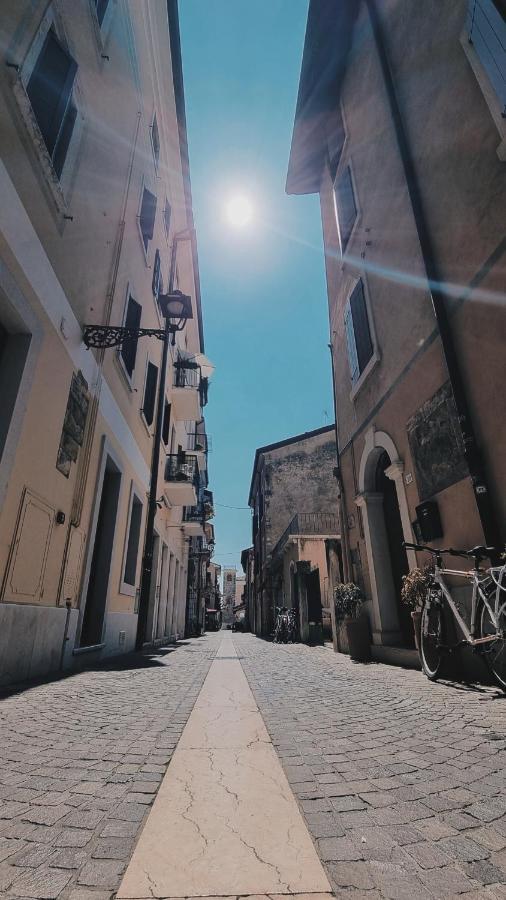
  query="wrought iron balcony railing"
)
[
  {"x": 308, "y": 524},
  {"x": 194, "y": 514},
  {"x": 181, "y": 467},
  {"x": 199, "y": 442},
  {"x": 186, "y": 375}
]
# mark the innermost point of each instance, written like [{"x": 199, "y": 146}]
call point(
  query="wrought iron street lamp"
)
[{"x": 176, "y": 309}]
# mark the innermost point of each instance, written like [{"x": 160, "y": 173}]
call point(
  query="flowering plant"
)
[
  {"x": 415, "y": 587},
  {"x": 348, "y": 600}
]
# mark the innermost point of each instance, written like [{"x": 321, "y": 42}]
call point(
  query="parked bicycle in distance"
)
[
  {"x": 285, "y": 629},
  {"x": 486, "y": 631}
]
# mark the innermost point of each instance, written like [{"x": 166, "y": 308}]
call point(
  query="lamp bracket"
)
[{"x": 111, "y": 336}]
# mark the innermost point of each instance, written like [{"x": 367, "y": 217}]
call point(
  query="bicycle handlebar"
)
[{"x": 475, "y": 553}]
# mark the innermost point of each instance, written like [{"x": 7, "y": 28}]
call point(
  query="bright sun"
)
[{"x": 239, "y": 211}]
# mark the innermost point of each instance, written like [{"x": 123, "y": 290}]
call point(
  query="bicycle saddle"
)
[{"x": 482, "y": 552}]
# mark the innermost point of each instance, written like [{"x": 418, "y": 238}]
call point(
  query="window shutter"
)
[
  {"x": 350, "y": 343},
  {"x": 166, "y": 218},
  {"x": 155, "y": 139},
  {"x": 147, "y": 216},
  {"x": 166, "y": 423},
  {"x": 346, "y": 209},
  {"x": 155, "y": 285},
  {"x": 150, "y": 393},
  {"x": 62, "y": 145},
  {"x": 50, "y": 87},
  {"x": 487, "y": 33},
  {"x": 361, "y": 329},
  {"x": 101, "y": 6},
  {"x": 129, "y": 348}
]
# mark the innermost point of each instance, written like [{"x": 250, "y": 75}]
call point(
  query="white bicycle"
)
[{"x": 486, "y": 631}]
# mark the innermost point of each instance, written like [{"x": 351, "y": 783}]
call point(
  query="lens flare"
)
[{"x": 239, "y": 211}]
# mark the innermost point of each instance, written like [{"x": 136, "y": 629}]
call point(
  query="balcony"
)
[
  {"x": 181, "y": 479},
  {"x": 308, "y": 525},
  {"x": 186, "y": 392},
  {"x": 193, "y": 520}
]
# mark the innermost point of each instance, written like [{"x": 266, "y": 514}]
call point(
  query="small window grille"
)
[
  {"x": 157, "y": 275},
  {"x": 166, "y": 218}
]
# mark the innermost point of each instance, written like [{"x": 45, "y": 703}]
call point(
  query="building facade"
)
[
  {"x": 95, "y": 224},
  {"x": 293, "y": 478},
  {"x": 403, "y": 137},
  {"x": 229, "y": 582}
]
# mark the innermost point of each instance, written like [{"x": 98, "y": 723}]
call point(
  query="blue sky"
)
[{"x": 263, "y": 287}]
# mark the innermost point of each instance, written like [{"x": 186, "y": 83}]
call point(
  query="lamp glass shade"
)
[{"x": 175, "y": 306}]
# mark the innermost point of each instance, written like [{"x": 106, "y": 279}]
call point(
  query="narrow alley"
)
[{"x": 160, "y": 776}]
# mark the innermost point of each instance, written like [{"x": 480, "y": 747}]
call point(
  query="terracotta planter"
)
[
  {"x": 416, "y": 615},
  {"x": 359, "y": 643}
]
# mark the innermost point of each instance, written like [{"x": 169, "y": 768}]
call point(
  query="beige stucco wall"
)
[
  {"x": 454, "y": 140},
  {"x": 63, "y": 272}
]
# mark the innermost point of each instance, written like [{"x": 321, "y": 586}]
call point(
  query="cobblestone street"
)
[
  {"x": 81, "y": 761},
  {"x": 401, "y": 782}
]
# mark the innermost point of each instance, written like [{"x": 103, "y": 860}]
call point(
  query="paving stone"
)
[
  {"x": 351, "y": 874},
  {"x": 446, "y": 882},
  {"x": 463, "y": 848},
  {"x": 45, "y": 815},
  {"x": 73, "y": 837},
  {"x": 489, "y": 838},
  {"x": 41, "y": 884},
  {"x": 9, "y": 846},
  {"x": 68, "y": 858},
  {"x": 119, "y": 828},
  {"x": 11, "y": 809},
  {"x": 427, "y": 855},
  {"x": 81, "y": 818},
  {"x": 338, "y": 849},
  {"x": 33, "y": 856},
  {"x": 113, "y": 848},
  {"x": 83, "y": 894},
  {"x": 485, "y": 872}
]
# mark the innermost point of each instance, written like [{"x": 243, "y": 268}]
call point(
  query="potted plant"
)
[
  {"x": 415, "y": 586},
  {"x": 348, "y": 600}
]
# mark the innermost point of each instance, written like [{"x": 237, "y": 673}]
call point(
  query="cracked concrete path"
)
[{"x": 225, "y": 822}]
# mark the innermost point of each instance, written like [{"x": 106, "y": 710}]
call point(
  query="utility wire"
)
[{"x": 226, "y": 506}]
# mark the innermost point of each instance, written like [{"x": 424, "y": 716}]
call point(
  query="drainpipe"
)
[
  {"x": 486, "y": 512},
  {"x": 347, "y": 569}
]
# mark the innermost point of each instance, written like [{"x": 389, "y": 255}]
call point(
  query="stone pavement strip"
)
[
  {"x": 225, "y": 822},
  {"x": 401, "y": 782}
]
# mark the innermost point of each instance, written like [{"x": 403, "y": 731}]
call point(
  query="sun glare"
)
[{"x": 239, "y": 211}]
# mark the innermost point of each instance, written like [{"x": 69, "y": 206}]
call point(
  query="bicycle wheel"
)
[
  {"x": 495, "y": 652},
  {"x": 431, "y": 637}
]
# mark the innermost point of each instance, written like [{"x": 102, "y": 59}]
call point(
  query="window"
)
[
  {"x": 166, "y": 423},
  {"x": 49, "y": 90},
  {"x": 486, "y": 29},
  {"x": 157, "y": 276},
  {"x": 358, "y": 335},
  {"x": 128, "y": 350},
  {"x": 167, "y": 210},
  {"x": 148, "y": 407},
  {"x": 101, "y": 6},
  {"x": 147, "y": 217},
  {"x": 155, "y": 141},
  {"x": 133, "y": 542},
  {"x": 346, "y": 209}
]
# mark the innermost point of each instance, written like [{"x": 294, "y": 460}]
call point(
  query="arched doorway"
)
[
  {"x": 385, "y": 485},
  {"x": 386, "y": 520}
]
